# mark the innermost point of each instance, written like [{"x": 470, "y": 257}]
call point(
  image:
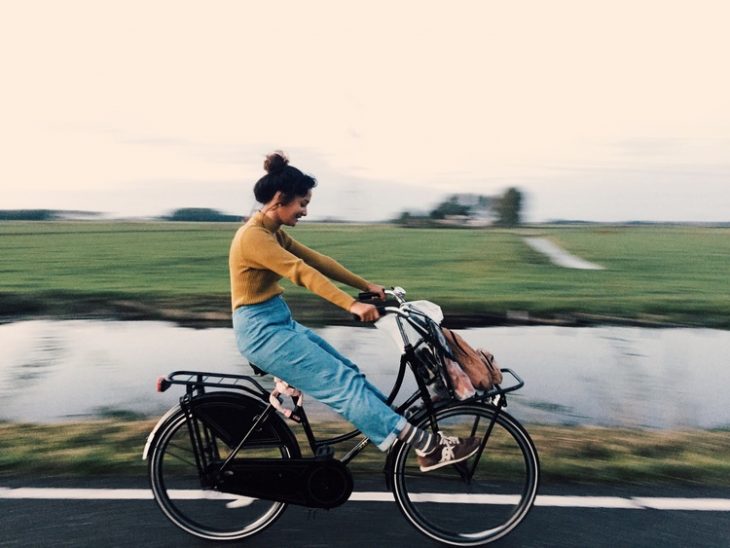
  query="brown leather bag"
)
[
  {"x": 460, "y": 382},
  {"x": 478, "y": 364}
]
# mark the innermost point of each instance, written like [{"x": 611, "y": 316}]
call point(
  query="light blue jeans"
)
[{"x": 267, "y": 336}]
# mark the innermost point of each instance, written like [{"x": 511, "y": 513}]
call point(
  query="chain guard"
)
[{"x": 311, "y": 482}]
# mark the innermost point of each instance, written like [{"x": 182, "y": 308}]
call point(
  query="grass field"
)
[
  {"x": 567, "y": 454},
  {"x": 672, "y": 274}
]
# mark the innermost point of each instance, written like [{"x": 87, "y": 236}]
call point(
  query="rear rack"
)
[
  {"x": 197, "y": 381},
  {"x": 496, "y": 390},
  {"x": 499, "y": 389}
]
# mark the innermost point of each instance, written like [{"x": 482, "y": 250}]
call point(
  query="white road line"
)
[
  {"x": 588, "y": 502},
  {"x": 57, "y": 493},
  {"x": 622, "y": 503},
  {"x": 709, "y": 505}
]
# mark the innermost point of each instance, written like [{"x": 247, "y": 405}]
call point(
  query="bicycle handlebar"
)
[{"x": 383, "y": 309}]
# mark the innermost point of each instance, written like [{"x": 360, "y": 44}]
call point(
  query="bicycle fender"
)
[
  {"x": 257, "y": 406},
  {"x": 153, "y": 434}
]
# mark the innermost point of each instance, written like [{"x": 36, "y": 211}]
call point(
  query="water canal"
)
[{"x": 53, "y": 370}]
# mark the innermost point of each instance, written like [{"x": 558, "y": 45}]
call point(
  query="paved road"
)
[{"x": 133, "y": 523}]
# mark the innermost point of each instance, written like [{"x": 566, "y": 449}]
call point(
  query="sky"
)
[{"x": 604, "y": 111}]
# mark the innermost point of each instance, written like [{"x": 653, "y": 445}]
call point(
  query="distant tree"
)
[
  {"x": 27, "y": 215},
  {"x": 403, "y": 218},
  {"x": 413, "y": 219},
  {"x": 484, "y": 202},
  {"x": 451, "y": 206},
  {"x": 201, "y": 214},
  {"x": 509, "y": 207}
]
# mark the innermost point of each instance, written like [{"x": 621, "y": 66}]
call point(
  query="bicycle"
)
[{"x": 224, "y": 465}]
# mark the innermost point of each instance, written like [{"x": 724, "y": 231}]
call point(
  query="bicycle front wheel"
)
[
  {"x": 477, "y": 501},
  {"x": 185, "y": 495}
]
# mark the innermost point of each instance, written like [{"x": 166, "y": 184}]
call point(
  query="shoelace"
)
[
  {"x": 448, "y": 443},
  {"x": 453, "y": 440}
]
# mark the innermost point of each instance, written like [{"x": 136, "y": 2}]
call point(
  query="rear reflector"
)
[{"x": 163, "y": 384}]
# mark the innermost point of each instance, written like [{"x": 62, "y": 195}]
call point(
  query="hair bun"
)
[{"x": 275, "y": 162}]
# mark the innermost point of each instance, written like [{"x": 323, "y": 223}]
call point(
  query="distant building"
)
[{"x": 466, "y": 210}]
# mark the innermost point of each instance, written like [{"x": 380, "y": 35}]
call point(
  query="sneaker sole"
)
[{"x": 442, "y": 464}]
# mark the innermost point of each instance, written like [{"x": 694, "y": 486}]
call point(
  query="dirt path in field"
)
[{"x": 558, "y": 256}]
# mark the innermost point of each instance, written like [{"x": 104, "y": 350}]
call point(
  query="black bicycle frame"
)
[{"x": 206, "y": 451}]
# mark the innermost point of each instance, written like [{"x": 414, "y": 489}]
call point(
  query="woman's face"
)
[{"x": 290, "y": 213}]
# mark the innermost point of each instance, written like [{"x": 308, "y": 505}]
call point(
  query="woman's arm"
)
[
  {"x": 332, "y": 269},
  {"x": 326, "y": 265},
  {"x": 263, "y": 251}
]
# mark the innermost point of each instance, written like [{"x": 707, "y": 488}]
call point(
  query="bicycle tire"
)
[
  {"x": 175, "y": 480},
  {"x": 444, "y": 507}
]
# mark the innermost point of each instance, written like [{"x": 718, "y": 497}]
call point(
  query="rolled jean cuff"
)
[{"x": 390, "y": 439}]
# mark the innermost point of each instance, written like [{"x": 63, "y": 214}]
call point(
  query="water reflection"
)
[{"x": 613, "y": 376}]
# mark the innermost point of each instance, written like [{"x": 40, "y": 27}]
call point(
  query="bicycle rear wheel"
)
[
  {"x": 185, "y": 497},
  {"x": 451, "y": 507}
]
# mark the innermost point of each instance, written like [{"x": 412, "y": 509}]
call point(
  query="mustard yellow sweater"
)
[{"x": 260, "y": 256}]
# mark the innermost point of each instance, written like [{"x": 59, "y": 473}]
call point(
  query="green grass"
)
[
  {"x": 671, "y": 274},
  {"x": 584, "y": 454}
]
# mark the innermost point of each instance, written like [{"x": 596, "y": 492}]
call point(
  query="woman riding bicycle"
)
[{"x": 260, "y": 255}]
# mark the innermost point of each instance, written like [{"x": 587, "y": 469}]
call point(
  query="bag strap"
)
[
  {"x": 488, "y": 358},
  {"x": 454, "y": 340}
]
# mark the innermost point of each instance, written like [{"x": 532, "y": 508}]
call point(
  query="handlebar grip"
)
[
  {"x": 367, "y": 296},
  {"x": 381, "y": 310}
]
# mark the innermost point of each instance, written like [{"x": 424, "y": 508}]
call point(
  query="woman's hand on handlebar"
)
[
  {"x": 366, "y": 312},
  {"x": 379, "y": 290}
]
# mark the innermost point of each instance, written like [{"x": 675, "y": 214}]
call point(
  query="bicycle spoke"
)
[
  {"x": 477, "y": 500},
  {"x": 190, "y": 500},
  {"x": 187, "y": 460}
]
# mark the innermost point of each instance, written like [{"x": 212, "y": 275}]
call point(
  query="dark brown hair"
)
[{"x": 280, "y": 176}]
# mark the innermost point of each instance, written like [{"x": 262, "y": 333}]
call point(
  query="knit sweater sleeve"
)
[
  {"x": 326, "y": 265},
  {"x": 271, "y": 255}
]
